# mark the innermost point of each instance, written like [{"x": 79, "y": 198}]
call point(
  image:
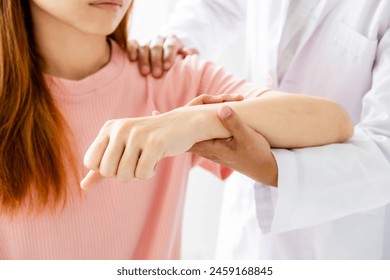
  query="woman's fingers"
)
[
  {"x": 95, "y": 153},
  {"x": 172, "y": 47},
  {"x": 211, "y": 99},
  {"x": 155, "y": 113},
  {"x": 92, "y": 179},
  {"x": 115, "y": 163},
  {"x": 146, "y": 165},
  {"x": 130, "y": 148},
  {"x": 232, "y": 97},
  {"x": 128, "y": 164},
  {"x": 111, "y": 158},
  {"x": 203, "y": 98}
]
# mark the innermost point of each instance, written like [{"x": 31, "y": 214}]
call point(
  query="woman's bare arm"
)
[
  {"x": 130, "y": 148},
  {"x": 286, "y": 120}
]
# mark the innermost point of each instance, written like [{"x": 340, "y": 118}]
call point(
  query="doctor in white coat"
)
[{"x": 332, "y": 202}]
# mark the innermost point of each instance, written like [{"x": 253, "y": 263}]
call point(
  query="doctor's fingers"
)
[
  {"x": 188, "y": 51},
  {"x": 172, "y": 46},
  {"x": 144, "y": 59},
  {"x": 218, "y": 150},
  {"x": 243, "y": 134},
  {"x": 132, "y": 50},
  {"x": 156, "y": 56}
]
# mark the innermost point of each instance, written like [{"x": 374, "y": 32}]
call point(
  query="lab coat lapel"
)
[{"x": 319, "y": 14}]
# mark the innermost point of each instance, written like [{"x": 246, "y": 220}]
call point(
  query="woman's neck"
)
[{"x": 69, "y": 53}]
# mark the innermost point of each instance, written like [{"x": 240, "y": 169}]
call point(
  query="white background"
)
[
  {"x": 281, "y": 270},
  {"x": 204, "y": 194}
]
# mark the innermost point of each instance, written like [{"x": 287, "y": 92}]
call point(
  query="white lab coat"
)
[{"x": 332, "y": 201}]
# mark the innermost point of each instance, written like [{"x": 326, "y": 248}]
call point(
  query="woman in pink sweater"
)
[{"x": 63, "y": 74}]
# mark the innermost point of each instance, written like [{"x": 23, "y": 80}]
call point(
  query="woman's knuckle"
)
[
  {"x": 108, "y": 124},
  {"x": 89, "y": 163},
  {"x": 144, "y": 174}
]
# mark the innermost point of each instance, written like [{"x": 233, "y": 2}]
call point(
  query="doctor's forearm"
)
[{"x": 285, "y": 120}]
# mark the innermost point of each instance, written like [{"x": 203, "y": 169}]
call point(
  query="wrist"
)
[
  {"x": 264, "y": 170},
  {"x": 202, "y": 122}
]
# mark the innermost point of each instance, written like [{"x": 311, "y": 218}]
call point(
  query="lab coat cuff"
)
[{"x": 287, "y": 185}]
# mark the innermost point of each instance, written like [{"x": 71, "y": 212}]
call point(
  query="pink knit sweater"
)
[{"x": 138, "y": 220}]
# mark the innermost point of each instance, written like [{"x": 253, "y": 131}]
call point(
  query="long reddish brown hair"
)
[{"x": 36, "y": 161}]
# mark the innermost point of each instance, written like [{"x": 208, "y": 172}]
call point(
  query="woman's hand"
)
[
  {"x": 157, "y": 56},
  {"x": 130, "y": 148},
  {"x": 212, "y": 99}
]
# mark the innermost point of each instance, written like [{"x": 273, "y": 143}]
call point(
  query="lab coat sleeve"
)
[
  {"x": 207, "y": 25},
  {"x": 325, "y": 183}
]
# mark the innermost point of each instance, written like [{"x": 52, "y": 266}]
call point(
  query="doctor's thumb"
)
[{"x": 233, "y": 123}]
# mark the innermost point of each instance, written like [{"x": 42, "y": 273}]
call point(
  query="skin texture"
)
[
  {"x": 246, "y": 151},
  {"x": 130, "y": 148},
  {"x": 77, "y": 30}
]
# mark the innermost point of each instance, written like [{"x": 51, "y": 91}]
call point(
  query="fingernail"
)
[
  {"x": 145, "y": 69},
  {"x": 157, "y": 71},
  {"x": 225, "y": 112}
]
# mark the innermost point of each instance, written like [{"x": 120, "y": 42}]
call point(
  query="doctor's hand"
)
[
  {"x": 247, "y": 151},
  {"x": 157, "y": 56}
]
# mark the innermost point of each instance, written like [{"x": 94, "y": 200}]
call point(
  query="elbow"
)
[{"x": 346, "y": 128}]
